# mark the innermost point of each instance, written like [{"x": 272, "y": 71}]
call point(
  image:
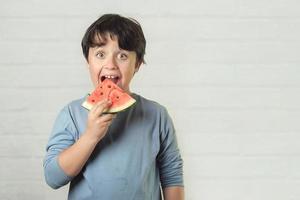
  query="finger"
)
[
  {"x": 94, "y": 113},
  {"x": 100, "y": 107},
  {"x": 103, "y": 108},
  {"x": 107, "y": 117},
  {"x": 104, "y": 118},
  {"x": 97, "y": 105},
  {"x": 103, "y": 123}
]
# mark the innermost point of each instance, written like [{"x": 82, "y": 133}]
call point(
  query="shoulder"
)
[
  {"x": 73, "y": 115},
  {"x": 148, "y": 104},
  {"x": 75, "y": 105},
  {"x": 73, "y": 109},
  {"x": 151, "y": 107}
]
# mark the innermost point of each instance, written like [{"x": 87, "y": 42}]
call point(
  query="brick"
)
[
  {"x": 29, "y": 190},
  {"x": 235, "y": 121},
  {"x": 23, "y": 146},
  {"x": 258, "y": 144},
  {"x": 215, "y": 189},
  {"x": 215, "y": 7},
  {"x": 242, "y": 167}
]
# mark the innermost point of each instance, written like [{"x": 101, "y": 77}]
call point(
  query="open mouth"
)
[{"x": 113, "y": 78}]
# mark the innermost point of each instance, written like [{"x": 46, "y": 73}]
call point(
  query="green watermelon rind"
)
[{"x": 89, "y": 106}]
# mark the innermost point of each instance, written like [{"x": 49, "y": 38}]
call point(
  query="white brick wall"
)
[{"x": 228, "y": 71}]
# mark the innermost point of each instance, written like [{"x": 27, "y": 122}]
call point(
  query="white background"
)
[{"x": 228, "y": 72}]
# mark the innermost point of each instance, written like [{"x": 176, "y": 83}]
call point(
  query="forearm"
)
[
  {"x": 173, "y": 193},
  {"x": 74, "y": 158}
]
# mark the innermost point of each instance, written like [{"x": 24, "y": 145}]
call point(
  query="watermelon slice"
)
[{"x": 109, "y": 90}]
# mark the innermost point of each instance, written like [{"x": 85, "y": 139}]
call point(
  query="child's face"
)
[{"x": 107, "y": 60}]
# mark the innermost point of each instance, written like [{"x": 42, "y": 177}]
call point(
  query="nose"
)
[{"x": 110, "y": 63}]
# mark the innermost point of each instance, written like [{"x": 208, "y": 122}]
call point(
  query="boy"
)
[{"x": 128, "y": 155}]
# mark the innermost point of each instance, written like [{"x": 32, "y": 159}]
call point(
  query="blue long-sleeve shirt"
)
[{"x": 138, "y": 154}]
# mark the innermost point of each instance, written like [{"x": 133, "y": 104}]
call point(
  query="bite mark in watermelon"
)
[{"x": 110, "y": 91}]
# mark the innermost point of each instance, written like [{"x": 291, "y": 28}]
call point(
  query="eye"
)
[
  {"x": 100, "y": 54},
  {"x": 122, "y": 56}
]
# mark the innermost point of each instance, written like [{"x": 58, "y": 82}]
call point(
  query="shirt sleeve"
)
[
  {"x": 169, "y": 159},
  {"x": 62, "y": 136}
]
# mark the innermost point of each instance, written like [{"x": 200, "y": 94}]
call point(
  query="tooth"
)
[{"x": 110, "y": 76}]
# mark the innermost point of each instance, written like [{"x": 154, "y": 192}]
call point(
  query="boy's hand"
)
[{"x": 97, "y": 123}]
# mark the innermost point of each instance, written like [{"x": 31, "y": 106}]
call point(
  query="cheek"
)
[
  {"x": 94, "y": 72},
  {"x": 128, "y": 71},
  {"x": 94, "y": 66}
]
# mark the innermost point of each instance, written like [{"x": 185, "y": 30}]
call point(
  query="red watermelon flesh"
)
[{"x": 110, "y": 91}]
